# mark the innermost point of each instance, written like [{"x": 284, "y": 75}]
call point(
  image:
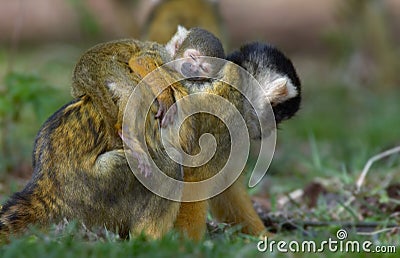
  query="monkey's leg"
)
[
  {"x": 158, "y": 220},
  {"x": 191, "y": 220},
  {"x": 234, "y": 206},
  {"x": 144, "y": 211}
]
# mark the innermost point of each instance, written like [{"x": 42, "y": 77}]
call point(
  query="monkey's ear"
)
[
  {"x": 279, "y": 90},
  {"x": 176, "y": 41},
  {"x": 181, "y": 29}
]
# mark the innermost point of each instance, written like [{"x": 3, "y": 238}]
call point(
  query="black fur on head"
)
[
  {"x": 206, "y": 42},
  {"x": 259, "y": 59}
]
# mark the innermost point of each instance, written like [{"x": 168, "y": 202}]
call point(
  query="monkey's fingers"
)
[
  {"x": 160, "y": 111},
  {"x": 169, "y": 117},
  {"x": 144, "y": 165},
  {"x": 165, "y": 119}
]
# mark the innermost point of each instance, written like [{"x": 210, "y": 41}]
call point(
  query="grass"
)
[
  {"x": 71, "y": 245},
  {"x": 339, "y": 127}
]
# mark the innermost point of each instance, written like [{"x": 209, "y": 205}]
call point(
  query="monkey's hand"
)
[
  {"x": 143, "y": 163},
  {"x": 166, "y": 103},
  {"x": 137, "y": 151}
]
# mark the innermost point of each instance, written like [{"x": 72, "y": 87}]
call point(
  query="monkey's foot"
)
[{"x": 166, "y": 118}]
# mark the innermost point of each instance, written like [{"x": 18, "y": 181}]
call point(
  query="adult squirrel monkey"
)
[
  {"x": 280, "y": 88},
  {"x": 80, "y": 167}
]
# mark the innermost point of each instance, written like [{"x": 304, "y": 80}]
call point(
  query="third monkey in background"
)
[{"x": 168, "y": 14}]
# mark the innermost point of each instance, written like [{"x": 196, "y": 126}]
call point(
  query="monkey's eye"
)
[
  {"x": 206, "y": 67},
  {"x": 193, "y": 57}
]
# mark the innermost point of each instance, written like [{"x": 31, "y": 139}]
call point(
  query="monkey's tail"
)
[{"x": 21, "y": 210}]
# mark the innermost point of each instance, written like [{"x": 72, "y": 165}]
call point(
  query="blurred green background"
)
[{"x": 346, "y": 53}]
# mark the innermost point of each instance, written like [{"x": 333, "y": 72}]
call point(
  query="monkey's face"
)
[{"x": 194, "y": 66}]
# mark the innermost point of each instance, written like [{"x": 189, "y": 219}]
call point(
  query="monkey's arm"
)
[{"x": 159, "y": 82}]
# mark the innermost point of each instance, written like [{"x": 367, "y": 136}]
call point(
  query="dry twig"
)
[{"x": 369, "y": 163}]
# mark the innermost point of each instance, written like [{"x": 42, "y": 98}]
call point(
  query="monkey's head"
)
[
  {"x": 276, "y": 75},
  {"x": 190, "y": 47}
]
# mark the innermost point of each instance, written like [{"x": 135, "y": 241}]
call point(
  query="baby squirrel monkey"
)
[{"x": 188, "y": 47}]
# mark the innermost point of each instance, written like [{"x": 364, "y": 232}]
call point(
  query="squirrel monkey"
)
[
  {"x": 188, "y": 47},
  {"x": 109, "y": 74},
  {"x": 80, "y": 168},
  {"x": 168, "y": 14},
  {"x": 276, "y": 75},
  {"x": 80, "y": 173},
  {"x": 280, "y": 88}
]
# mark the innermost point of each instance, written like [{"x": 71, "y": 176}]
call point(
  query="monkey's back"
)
[
  {"x": 78, "y": 174},
  {"x": 103, "y": 73}
]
